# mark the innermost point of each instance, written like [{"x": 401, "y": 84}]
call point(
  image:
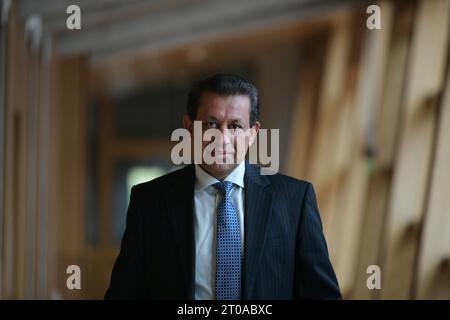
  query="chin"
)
[{"x": 220, "y": 170}]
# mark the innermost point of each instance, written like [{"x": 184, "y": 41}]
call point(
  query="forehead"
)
[{"x": 224, "y": 107}]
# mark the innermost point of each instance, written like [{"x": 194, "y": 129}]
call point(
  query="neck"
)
[{"x": 218, "y": 175}]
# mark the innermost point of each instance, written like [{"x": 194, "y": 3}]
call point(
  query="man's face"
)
[{"x": 231, "y": 116}]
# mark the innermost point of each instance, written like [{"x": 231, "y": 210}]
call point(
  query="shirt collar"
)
[{"x": 203, "y": 179}]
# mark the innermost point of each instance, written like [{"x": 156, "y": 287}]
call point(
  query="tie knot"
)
[{"x": 224, "y": 187}]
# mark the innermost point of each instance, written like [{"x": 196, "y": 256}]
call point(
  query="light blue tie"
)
[{"x": 228, "y": 255}]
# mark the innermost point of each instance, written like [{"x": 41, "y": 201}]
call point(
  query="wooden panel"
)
[
  {"x": 329, "y": 140},
  {"x": 68, "y": 175},
  {"x": 24, "y": 235},
  {"x": 43, "y": 232},
  {"x": 33, "y": 178},
  {"x": 140, "y": 149},
  {"x": 71, "y": 149},
  {"x": 332, "y": 88},
  {"x": 425, "y": 76},
  {"x": 304, "y": 112},
  {"x": 54, "y": 181},
  {"x": 2, "y": 148},
  {"x": 349, "y": 172},
  {"x": 282, "y": 64},
  {"x": 349, "y": 139},
  {"x": 386, "y": 129},
  {"x": 388, "y": 118},
  {"x": 341, "y": 166},
  {"x": 15, "y": 169},
  {"x": 371, "y": 233},
  {"x": 433, "y": 277},
  {"x": 106, "y": 171}
]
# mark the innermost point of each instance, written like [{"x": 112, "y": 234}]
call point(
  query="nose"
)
[{"x": 227, "y": 136}]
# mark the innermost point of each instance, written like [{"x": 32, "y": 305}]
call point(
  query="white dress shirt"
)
[{"x": 206, "y": 201}]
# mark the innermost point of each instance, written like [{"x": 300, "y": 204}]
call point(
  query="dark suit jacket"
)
[{"x": 285, "y": 253}]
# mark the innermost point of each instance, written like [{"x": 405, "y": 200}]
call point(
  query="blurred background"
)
[{"x": 363, "y": 114}]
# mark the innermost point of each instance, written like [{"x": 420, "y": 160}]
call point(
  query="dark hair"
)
[{"x": 226, "y": 85}]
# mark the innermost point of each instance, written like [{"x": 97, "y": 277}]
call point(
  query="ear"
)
[
  {"x": 253, "y": 132},
  {"x": 187, "y": 123}
]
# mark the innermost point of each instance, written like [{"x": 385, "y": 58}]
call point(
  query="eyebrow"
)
[{"x": 212, "y": 118}]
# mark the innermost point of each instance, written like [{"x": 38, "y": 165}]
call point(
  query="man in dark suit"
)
[{"x": 221, "y": 230}]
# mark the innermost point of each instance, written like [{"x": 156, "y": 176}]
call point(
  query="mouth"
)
[{"x": 223, "y": 152}]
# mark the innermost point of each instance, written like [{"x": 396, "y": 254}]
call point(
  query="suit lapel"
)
[
  {"x": 180, "y": 204},
  {"x": 258, "y": 206}
]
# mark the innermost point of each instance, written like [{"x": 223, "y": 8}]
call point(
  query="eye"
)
[
  {"x": 235, "y": 126},
  {"x": 211, "y": 124}
]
